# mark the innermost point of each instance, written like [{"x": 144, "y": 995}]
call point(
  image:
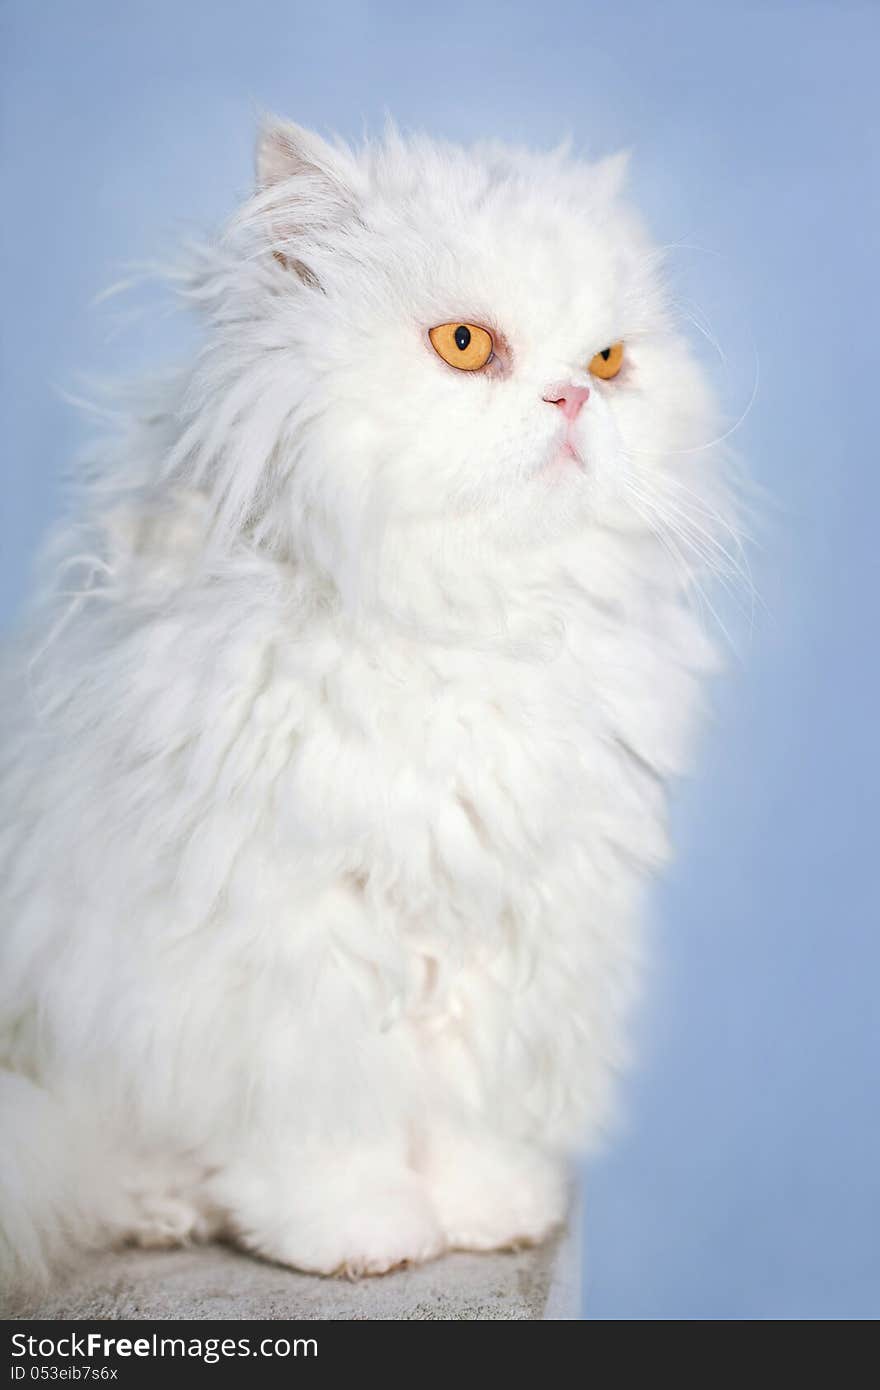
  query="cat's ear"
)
[
  {"x": 304, "y": 185},
  {"x": 609, "y": 175},
  {"x": 286, "y": 151}
]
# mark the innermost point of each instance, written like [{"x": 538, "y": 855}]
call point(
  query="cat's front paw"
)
[
  {"x": 491, "y": 1197},
  {"x": 358, "y": 1226}
]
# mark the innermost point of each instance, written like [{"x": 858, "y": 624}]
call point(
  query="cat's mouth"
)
[{"x": 563, "y": 460}]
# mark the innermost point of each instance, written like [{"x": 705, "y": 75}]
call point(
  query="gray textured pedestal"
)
[{"x": 215, "y": 1282}]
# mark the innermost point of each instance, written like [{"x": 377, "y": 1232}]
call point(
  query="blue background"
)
[{"x": 745, "y": 1183}]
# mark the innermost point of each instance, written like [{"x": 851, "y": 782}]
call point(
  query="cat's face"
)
[{"x": 470, "y": 339}]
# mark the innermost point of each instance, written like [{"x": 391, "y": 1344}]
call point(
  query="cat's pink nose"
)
[{"x": 568, "y": 397}]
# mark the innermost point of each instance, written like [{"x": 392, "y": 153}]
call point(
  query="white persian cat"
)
[{"x": 336, "y": 749}]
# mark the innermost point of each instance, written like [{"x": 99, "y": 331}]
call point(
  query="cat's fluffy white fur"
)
[{"x": 336, "y": 747}]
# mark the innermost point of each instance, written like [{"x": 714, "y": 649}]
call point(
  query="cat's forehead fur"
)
[{"x": 531, "y": 244}]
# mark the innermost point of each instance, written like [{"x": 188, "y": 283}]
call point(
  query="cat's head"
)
[{"x": 435, "y": 342}]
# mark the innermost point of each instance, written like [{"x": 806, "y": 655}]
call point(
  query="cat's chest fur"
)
[
  {"x": 416, "y": 792},
  {"x": 460, "y": 772}
]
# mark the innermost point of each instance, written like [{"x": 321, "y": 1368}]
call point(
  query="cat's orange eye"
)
[
  {"x": 462, "y": 345},
  {"x": 607, "y": 363}
]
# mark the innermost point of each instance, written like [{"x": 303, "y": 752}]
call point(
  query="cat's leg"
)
[
  {"x": 320, "y": 1171},
  {"x": 490, "y": 1193},
  {"x": 330, "y": 1209},
  {"x": 69, "y": 1181},
  {"x": 162, "y": 1220},
  {"x": 166, "y": 1204}
]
